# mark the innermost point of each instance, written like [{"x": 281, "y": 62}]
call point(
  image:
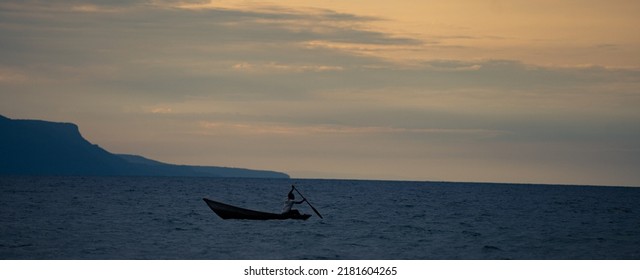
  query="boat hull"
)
[{"x": 226, "y": 211}]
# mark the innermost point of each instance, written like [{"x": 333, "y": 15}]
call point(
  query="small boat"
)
[{"x": 226, "y": 211}]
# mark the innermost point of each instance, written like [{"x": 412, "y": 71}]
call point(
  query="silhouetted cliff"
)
[{"x": 33, "y": 147}]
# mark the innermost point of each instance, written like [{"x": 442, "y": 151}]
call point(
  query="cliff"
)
[{"x": 34, "y": 147}]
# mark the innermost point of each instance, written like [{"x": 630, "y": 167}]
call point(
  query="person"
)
[{"x": 288, "y": 204}]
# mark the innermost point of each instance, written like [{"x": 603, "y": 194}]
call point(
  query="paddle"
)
[{"x": 312, "y": 208}]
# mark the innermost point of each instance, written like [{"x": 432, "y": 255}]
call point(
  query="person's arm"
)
[{"x": 301, "y": 201}]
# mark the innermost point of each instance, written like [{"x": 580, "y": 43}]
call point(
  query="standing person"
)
[{"x": 288, "y": 204}]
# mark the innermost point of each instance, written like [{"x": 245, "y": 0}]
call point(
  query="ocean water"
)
[{"x": 165, "y": 218}]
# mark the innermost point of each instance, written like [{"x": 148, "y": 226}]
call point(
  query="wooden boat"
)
[{"x": 226, "y": 211}]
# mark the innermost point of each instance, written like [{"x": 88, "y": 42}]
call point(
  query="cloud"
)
[
  {"x": 301, "y": 83},
  {"x": 273, "y": 66},
  {"x": 170, "y": 53},
  {"x": 163, "y": 51},
  {"x": 316, "y": 130},
  {"x": 11, "y": 76}
]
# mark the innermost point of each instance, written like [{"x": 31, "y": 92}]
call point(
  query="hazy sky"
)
[{"x": 541, "y": 91}]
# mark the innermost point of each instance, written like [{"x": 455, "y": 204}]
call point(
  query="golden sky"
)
[
  {"x": 544, "y": 32},
  {"x": 493, "y": 91}
]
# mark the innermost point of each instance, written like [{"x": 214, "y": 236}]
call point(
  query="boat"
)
[{"x": 226, "y": 211}]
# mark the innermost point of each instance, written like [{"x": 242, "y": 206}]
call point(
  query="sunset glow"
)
[{"x": 501, "y": 91}]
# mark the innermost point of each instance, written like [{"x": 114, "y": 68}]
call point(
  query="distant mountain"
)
[
  {"x": 34, "y": 147},
  {"x": 160, "y": 168}
]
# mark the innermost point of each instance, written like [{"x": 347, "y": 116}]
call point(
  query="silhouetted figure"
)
[{"x": 288, "y": 204}]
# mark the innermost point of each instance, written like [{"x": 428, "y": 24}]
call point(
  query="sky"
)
[{"x": 463, "y": 90}]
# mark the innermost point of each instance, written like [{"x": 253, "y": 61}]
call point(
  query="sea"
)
[{"x": 165, "y": 218}]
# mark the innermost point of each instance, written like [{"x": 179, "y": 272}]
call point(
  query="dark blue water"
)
[{"x": 165, "y": 218}]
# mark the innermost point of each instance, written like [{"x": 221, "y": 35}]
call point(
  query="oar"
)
[{"x": 312, "y": 208}]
